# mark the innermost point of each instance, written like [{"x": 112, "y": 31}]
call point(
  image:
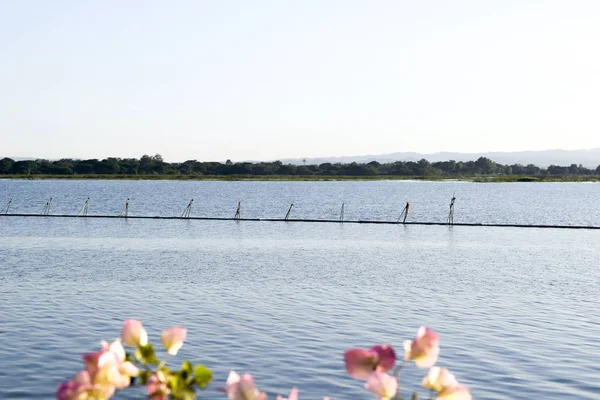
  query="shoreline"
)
[{"x": 316, "y": 178}]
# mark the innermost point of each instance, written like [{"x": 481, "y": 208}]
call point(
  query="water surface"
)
[{"x": 517, "y": 309}]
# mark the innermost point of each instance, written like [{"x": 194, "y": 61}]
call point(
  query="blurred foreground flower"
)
[
  {"x": 242, "y": 388},
  {"x": 157, "y": 387},
  {"x": 81, "y": 387},
  {"x": 133, "y": 333},
  {"x": 424, "y": 349},
  {"x": 438, "y": 378},
  {"x": 459, "y": 392},
  {"x": 172, "y": 339},
  {"x": 112, "y": 368},
  {"x": 361, "y": 363},
  {"x": 445, "y": 384},
  {"x": 382, "y": 385},
  {"x": 293, "y": 395}
]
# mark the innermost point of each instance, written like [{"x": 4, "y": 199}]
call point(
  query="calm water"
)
[{"x": 517, "y": 309}]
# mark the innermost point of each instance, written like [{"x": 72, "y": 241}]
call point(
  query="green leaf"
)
[
  {"x": 146, "y": 354},
  {"x": 415, "y": 396},
  {"x": 176, "y": 383},
  {"x": 186, "y": 369},
  {"x": 184, "y": 394},
  {"x": 145, "y": 376},
  {"x": 202, "y": 375}
]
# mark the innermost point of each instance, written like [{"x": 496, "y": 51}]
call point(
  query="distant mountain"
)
[
  {"x": 587, "y": 158},
  {"x": 18, "y": 158}
]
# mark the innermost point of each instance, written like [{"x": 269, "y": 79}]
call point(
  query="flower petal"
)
[
  {"x": 133, "y": 333},
  {"x": 360, "y": 363},
  {"x": 386, "y": 355},
  {"x": 427, "y": 359},
  {"x": 382, "y": 385},
  {"x": 172, "y": 339},
  {"x": 458, "y": 392}
]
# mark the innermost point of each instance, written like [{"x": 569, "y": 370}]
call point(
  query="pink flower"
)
[
  {"x": 110, "y": 376},
  {"x": 111, "y": 355},
  {"x": 94, "y": 362},
  {"x": 116, "y": 348},
  {"x": 157, "y": 388},
  {"x": 107, "y": 368},
  {"x": 172, "y": 339},
  {"x": 439, "y": 378},
  {"x": 458, "y": 392},
  {"x": 129, "y": 369},
  {"x": 361, "y": 363},
  {"x": 133, "y": 333},
  {"x": 69, "y": 390},
  {"x": 82, "y": 388},
  {"x": 382, "y": 385},
  {"x": 424, "y": 349},
  {"x": 293, "y": 395},
  {"x": 82, "y": 377},
  {"x": 243, "y": 388}
]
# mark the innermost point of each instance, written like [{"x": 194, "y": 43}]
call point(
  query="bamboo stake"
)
[
  {"x": 46, "y": 209},
  {"x": 188, "y": 210},
  {"x": 6, "y": 207},
  {"x": 84, "y": 208},
  {"x": 450, "y": 220},
  {"x": 125, "y": 211},
  {"x": 238, "y": 213},
  {"x": 404, "y": 213},
  {"x": 287, "y": 215}
]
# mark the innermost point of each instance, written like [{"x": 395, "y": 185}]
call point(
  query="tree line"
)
[{"x": 155, "y": 165}]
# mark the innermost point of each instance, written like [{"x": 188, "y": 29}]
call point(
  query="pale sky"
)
[{"x": 262, "y": 80}]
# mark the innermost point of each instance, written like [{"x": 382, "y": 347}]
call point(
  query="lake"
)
[{"x": 516, "y": 309}]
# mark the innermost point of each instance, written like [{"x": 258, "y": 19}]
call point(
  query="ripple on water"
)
[{"x": 516, "y": 309}]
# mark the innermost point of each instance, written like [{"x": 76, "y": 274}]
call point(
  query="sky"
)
[{"x": 263, "y": 80}]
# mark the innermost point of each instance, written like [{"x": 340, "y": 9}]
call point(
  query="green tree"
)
[
  {"x": 26, "y": 167},
  {"x": 129, "y": 166},
  {"x": 6, "y": 165},
  {"x": 531, "y": 169},
  {"x": 485, "y": 165},
  {"x": 152, "y": 164},
  {"x": 108, "y": 166},
  {"x": 85, "y": 166},
  {"x": 558, "y": 170}
]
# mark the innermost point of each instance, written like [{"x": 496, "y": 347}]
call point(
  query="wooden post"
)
[
  {"x": 6, "y": 208},
  {"x": 404, "y": 213},
  {"x": 342, "y": 213},
  {"x": 84, "y": 209},
  {"x": 188, "y": 210},
  {"x": 238, "y": 213},
  {"x": 46, "y": 209},
  {"x": 125, "y": 211},
  {"x": 287, "y": 216},
  {"x": 450, "y": 220}
]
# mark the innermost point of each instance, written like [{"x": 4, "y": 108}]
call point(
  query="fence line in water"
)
[
  {"x": 83, "y": 213},
  {"x": 375, "y": 222}
]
